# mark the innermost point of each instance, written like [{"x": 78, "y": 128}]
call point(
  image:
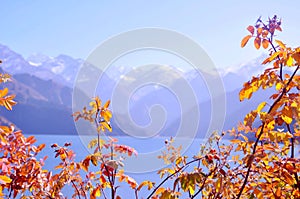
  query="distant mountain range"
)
[{"x": 44, "y": 87}]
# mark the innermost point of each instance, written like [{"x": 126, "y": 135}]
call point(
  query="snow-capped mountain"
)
[
  {"x": 62, "y": 69},
  {"x": 43, "y": 85},
  {"x": 235, "y": 76},
  {"x": 61, "y": 66},
  {"x": 14, "y": 62}
]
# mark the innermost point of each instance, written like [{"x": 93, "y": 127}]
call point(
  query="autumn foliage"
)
[{"x": 259, "y": 162}]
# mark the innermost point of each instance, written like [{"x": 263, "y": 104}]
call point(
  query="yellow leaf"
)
[
  {"x": 278, "y": 86},
  {"x": 106, "y": 125},
  {"x": 4, "y": 179},
  {"x": 280, "y": 44},
  {"x": 106, "y": 115},
  {"x": 294, "y": 104},
  {"x": 271, "y": 125},
  {"x": 261, "y": 106},
  {"x": 218, "y": 185},
  {"x": 93, "y": 104},
  {"x": 63, "y": 156},
  {"x": 289, "y": 62},
  {"x": 106, "y": 104},
  {"x": 192, "y": 189},
  {"x": 245, "y": 40},
  {"x": 3, "y": 92},
  {"x": 97, "y": 101},
  {"x": 274, "y": 55}
]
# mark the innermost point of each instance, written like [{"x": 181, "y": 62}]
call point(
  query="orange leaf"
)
[
  {"x": 235, "y": 141},
  {"x": 278, "y": 192},
  {"x": 145, "y": 183},
  {"x": 266, "y": 61},
  {"x": 106, "y": 104},
  {"x": 296, "y": 56},
  {"x": 7, "y": 105},
  {"x": 85, "y": 163},
  {"x": 289, "y": 179},
  {"x": 287, "y": 114},
  {"x": 259, "y": 31},
  {"x": 132, "y": 183},
  {"x": 265, "y": 43},
  {"x": 257, "y": 42},
  {"x": 96, "y": 193},
  {"x": 94, "y": 160},
  {"x": 40, "y": 147},
  {"x": 245, "y": 40},
  {"x": 31, "y": 139},
  {"x": 278, "y": 28},
  {"x": 265, "y": 33},
  {"x": 159, "y": 190}
]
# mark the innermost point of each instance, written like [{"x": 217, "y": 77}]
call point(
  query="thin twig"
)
[
  {"x": 168, "y": 177},
  {"x": 293, "y": 155},
  {"x": 78, "y": 192},
  {"x": 105, "y": 167}
]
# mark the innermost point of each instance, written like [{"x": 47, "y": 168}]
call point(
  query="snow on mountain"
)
[
  {"x": 62, "y": 68},
  {"x": 37, "y": 59},
  {"x": 235, "y": 76},
  {"x": 56, "y": 77},
  {"x": 14, "y": 62}
]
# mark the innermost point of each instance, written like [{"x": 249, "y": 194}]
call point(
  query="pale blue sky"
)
[{"x": 76, "y": 27}]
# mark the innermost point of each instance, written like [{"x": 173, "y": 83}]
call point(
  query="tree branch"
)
[{"x": 284, "y": 91}]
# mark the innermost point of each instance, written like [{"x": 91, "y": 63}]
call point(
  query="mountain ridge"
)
[{"x": 44, "y": 86}]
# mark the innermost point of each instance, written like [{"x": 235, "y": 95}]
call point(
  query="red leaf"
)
[{"x": 250, "y": 29}]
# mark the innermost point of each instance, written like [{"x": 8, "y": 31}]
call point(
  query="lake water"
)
[{"x": 143, "y": 167}]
